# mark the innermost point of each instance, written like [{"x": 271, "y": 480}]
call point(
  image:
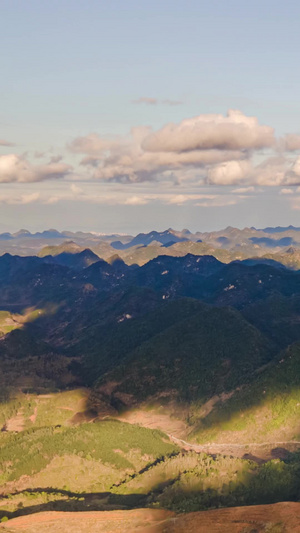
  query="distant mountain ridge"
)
[
  {"x": 144, "y": 239},
  {"x": 279, "y": 229}
]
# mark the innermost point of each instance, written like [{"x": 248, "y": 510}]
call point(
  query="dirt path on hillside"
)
[
  {"x": 280, "y": 517},
  {"x": 263, "y": 450}
]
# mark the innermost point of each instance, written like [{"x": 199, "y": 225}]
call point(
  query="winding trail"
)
[{"x": 266, "y": 450}]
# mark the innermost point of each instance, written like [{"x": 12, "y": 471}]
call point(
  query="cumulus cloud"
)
[
  {"x": 270, "y": 172},
  {"x": 214, "y": 149},
  {"x": 277, "y": 171},
  {"x": 15, "y": 168},
  {"x": 125, "y": 160},
  {"x": 235, "y": 131},
  {"x": 229, "y": 173}
]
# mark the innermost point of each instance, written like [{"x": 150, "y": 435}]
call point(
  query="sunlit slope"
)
[
  {"x": 265, "y": 410},
  {"x": 90, "y": 456}
]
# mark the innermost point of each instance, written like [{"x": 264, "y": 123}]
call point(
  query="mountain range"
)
[{"x": 202, "y": 353}]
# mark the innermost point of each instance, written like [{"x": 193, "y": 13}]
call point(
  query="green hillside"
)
[
  {"x": 186, "y": 350},
  {"x": 265, "y": 410}
]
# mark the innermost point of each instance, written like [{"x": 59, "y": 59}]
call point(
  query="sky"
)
[{"x": 128, "y": 116}]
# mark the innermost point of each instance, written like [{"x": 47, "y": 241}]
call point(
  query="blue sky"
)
[{"x": 72, "y": 68}]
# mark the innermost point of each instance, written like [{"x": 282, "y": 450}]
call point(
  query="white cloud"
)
[
  {"x": 229, "y": 173},
  {"x": 271, "y": 172},
  {"x": 15, "y": 168},
  {"x": 136, "y": 200},
  {"x": 179, "y": 199},
  {"x": 217, "y": 148},
  {"x": 236, "y": 131},
  {"x": 125, "y": 160},
  {"x": 214, "y": 150}
]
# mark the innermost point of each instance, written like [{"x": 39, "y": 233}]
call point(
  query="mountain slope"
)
[
  {"x": 264, "y": 410},
  {"x": 206, "y": 352}
]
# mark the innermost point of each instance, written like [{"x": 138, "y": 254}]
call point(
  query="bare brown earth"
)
[
  {"x": 155, "y": 420},
  {"x": 137, "y": 521},
  {"x": 277, "y": 518},
  {"x": 16, "y": 423}
]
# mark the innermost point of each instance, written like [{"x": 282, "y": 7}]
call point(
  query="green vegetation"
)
[
  {"x": 225, "y": 482},
  {"x": 260, "y": 409},
  {"x": 182, "y": 482},
  {"x": 204, "y": 351},
  {"x": 40, "y": 410},
  {"x": 110, "y": 442}
]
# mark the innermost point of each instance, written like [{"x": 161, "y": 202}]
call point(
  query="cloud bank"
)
[{"x": 206, "y": 150}]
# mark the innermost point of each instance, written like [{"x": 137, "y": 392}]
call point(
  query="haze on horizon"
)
[{"x": 128, "y": 117}]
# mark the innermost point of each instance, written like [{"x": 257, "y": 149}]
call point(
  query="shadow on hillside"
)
[
  {"x": 261, "y": 484},
  {"x": 30, "y": 360},
  {"x": 73, "y": 501}
]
